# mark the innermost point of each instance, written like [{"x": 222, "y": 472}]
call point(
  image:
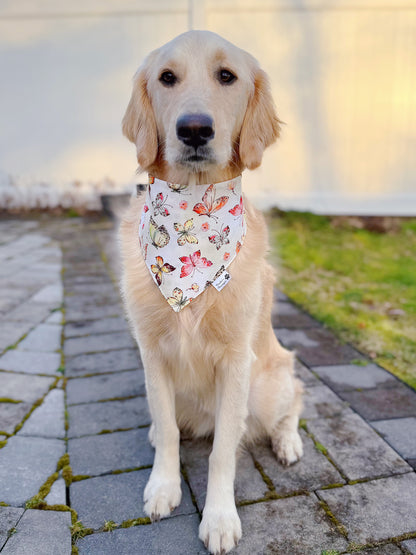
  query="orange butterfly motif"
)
[
  {"x": 238, "y": 208},
  {"x": 161, "y": 268},
  {"x": 210, "y": 204}
]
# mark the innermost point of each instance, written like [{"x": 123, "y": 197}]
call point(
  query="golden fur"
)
[{"x": 215, "y": 366}]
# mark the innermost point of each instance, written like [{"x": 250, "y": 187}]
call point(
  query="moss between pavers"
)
[
  {"x": 35, "y": 405},
  {"x": 7, "y": 400},
  {"x": 340, "y": 527},
  {"x": 321, "y": 448},
  {"x": 356, "y": 547}
]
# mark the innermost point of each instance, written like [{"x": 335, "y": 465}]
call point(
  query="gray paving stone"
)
[
  {"x": 45, "y": 532},
  {"x": 400, "y": 433},
  {"x": 94, "y": 455},
  {"x": 356, "y": 448},
  {"x": 287, "y": 315},
  {"x": 48, "y": 419},
  {"x": 95, "y": 343},
  {"x": 11, "y": 414},
  {"x": 50, "y": 294},
  {"x": 11, "y": 332},
  {"x": 30, "y": 362},
  {"x": 106, "y": 386},
  {"x": 194, "y": 456},
  {"x": 31, "y": 312},
  {"x": 306, "y": 375},
  {"x": 388, "y": 549},
  {"x": 56, "y": 317},
  {"x": 320, "y": 401},
  {"x": 103, "y": 288},
  {"x": 379, "y": 404},
  {"x": 25, "y": 464},
  {"x": 9, "y": 517},
  {"x": 23, "y": 388},
  {"x": 57, "y": 494},
  {"x": 412, "y": 463},
  {"x": 312, "y": 472},
  {"x": 117, "y": 497},
  {"x": 94, "y": 418},
  {"x": 410, "y": 545},
  {"x": 73, "y": 314},
  {"x": 350, "y": 376},
  {"x": 45, "y": 337},
  {"x": 87, "y": 327},
  {"x": 296, "y": 525},
  {"x": 376, "y": 510},
  {"x": 159, "y": 538},
  {"x": 279, "y": 296},
  {"x": 99, "y": 363},
  {"x": 317, "y": 346}
]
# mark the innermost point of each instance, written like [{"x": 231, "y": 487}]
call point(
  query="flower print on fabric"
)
[{"x": 187, "y": 242}]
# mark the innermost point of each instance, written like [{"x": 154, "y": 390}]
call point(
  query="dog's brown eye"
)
[
  {"x": 168, "y": 78},
  {"x": 225, "y": 76}
]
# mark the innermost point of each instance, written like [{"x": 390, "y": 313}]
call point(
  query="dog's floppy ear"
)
[
  {"x": 261, "y": 125},
  {"x": 139, "y": 124}
]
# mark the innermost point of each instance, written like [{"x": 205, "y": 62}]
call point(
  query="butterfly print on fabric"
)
[
  {"x": 159, "y": 205},
  {"x": 210, "y": 204},
  {"x": 176, "y": 188},
  {"x": 158, "y": 234},
  {"x": 184, "y": 230},
  {"x": 161, "y": 268},
  {"x": 220, "y": 238},
  {"x": 238, "y": 208},
  {"x": 192, "y": 263},
  {"x": 177, "y": 301}
]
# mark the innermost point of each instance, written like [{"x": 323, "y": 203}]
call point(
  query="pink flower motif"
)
[
  {"x": 183, "y": 205},
  {"x": 145, "y": 208},
  {"x": 226, "y": 256},
  {"x": 205, "y": 226}
]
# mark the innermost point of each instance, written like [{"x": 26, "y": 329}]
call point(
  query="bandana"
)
[{"x": 189, "y": 235}]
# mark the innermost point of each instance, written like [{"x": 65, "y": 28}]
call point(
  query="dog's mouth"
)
[{"x": 198, "y": 159}]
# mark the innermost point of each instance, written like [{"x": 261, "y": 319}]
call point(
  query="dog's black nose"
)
[{"x": 195, "y": 129}]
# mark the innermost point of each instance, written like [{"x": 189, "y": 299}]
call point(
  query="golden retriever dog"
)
[{"x": 200, "y": 113}]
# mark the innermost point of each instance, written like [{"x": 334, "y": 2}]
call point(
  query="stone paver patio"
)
[{"x": 74, "y": 455}]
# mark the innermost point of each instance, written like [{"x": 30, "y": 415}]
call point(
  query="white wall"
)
[{"x": 343, "y": 75}]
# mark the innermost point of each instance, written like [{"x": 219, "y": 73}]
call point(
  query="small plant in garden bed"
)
[{"x": 359, "y": 282}]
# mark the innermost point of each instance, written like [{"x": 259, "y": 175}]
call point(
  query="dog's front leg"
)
[
  {"x": 163, "y": 490},
  {"x": 220, "y": 528}
]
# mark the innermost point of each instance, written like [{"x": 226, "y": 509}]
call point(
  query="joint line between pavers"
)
[
  {"x": 13, "y": 527},
  {"x": 321, "y": 448}
]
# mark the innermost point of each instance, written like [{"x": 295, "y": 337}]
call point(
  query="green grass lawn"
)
[{"x": 360, "y": 283}]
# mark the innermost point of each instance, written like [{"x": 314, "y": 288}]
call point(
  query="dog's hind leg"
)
[{"x": 163, "y": 490}]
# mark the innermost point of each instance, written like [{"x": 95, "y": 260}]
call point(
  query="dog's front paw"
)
[
  {"x": 220, "y": 529},
  {"x": 288, "y": 447},
  {"x": 161, "y": 496}
]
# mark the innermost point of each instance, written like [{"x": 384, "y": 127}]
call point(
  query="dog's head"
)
[{"x": 200, "y": 102}]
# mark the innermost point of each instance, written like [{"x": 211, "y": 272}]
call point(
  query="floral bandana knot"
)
[{"x": 189, "y": 235}]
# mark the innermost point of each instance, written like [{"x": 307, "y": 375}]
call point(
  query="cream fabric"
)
[{"x": 189, "y": 235}]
